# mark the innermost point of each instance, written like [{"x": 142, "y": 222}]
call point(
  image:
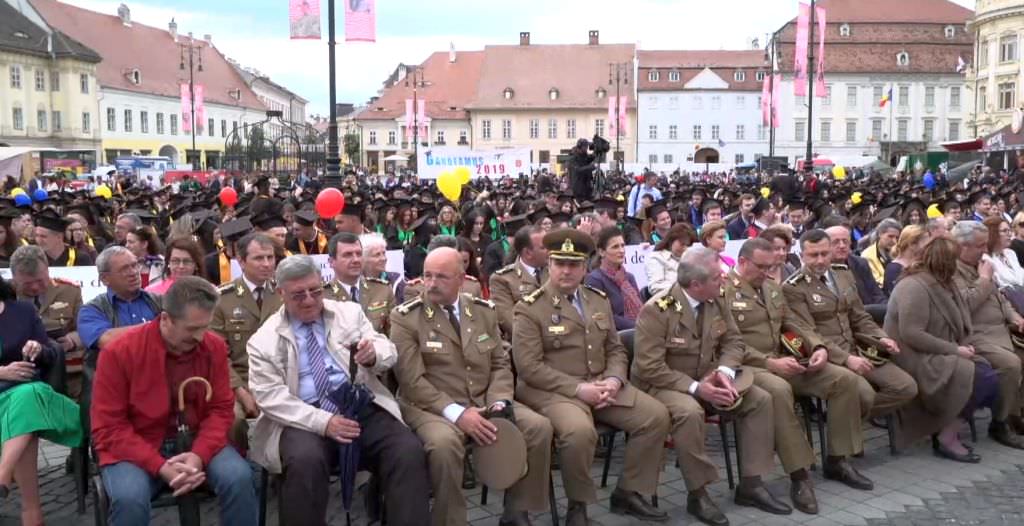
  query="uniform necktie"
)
[
  {"x": 39, "y": 304},
  {"x": 574, "y": 300},
  {"x": 317, "y": 354},
  {"x": 453, "y": 318},
  {"x": 354, "y": 294},
  {"x": 259, "y": 297},
  {"x": 827, "y": 279},
  {"x": 536, "y": 274}
]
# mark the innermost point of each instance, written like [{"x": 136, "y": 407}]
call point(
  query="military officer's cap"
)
[
  {"x": 502, "y": 463},
  {"x": 568, "y": 244}
]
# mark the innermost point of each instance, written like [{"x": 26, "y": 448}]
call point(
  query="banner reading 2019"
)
[{"x": 490, "y": 163}]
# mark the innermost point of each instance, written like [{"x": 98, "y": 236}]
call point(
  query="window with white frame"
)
[
  {"x": 40, "y": 80},
  {"x": 929, "y": 96},
  {"x": 851, "y": 130},
  {"x": 902, "y": 129},
  {"x": 982, "y": 97},
  {"x": 904, "y": 92},
  {"x": 741, "y": 102},
  {"x": 506, "y": 129},
  {"x": 463, "y": 137},
  {"x": 485, "y": 130},
  {"x": 667, "y": 158},
  {"x": 54, "y": 81},
  {"x": 172, "y": 121},
  {"x": 954, "y": 96},
  {"x": 159, "y": 123},
  {"x": 876, "y": 94},
  {"x": 673, "y": 132},
  {"x": 127, "y": 120},
  {"x": 715, "y": 132},
  {"x": 799, "y": 131},
  {"x": 144, "y": 121},
  {"x": 599, "y": 127},
  {"x": 652, "y": 132},
  {"x": 876, "y": 129},
  {"x": 57, "y": 120},
  {"x": 41, "y": 120},
  {"x": 697, "y": 132},
  {"x": 86, "y": 122},
  {"x": 825, "y": 133},
  {"x": 902, "y": 58},
  {"x": 1007, "y": 95},
  {"x": 983, "y": 54},
  {"x": 439, "y": 137},
  {"x": 15, "y": 71},
  {"x": 826, "y": 99},
  {"x": 739, "y": 158},
  {"x": 111, "y": 119},
  {"x": 83, "y": 83},
  {"x": 372, "y": 138},
  {"x": 552, "y": 128},
  {"x": 1008, "y": 48},
  {"x": 759, "y": 76},
  {"x": 929, "y": 130},
  {"x": 570, "y": 128},
  {"x": 844, "y": 30},
  {"x": 17, "y": 118},
  {"x": 741, "y": 132},
  {"x": 954, "y": 129},
  {"x": 673, "y": 76},
  {"x": 653, "y": 75},
  {"x": 762, "y": 132},
  {"x": 652, "y": 158},
  {"x": 851, "y": 96},
  {"x": 534, "y": 128},
  {"x": 950, "y": 31},
  {"x": 716, "y": 102},
  {"x": 393, "y": 138},
  {"x": 739, "y": 76}
]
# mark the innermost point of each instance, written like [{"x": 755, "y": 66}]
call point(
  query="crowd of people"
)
[{"x": 514, "y": 326}]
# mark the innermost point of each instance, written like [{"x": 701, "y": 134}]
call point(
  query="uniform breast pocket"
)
[
  {"x": 435, "y": 352},
  {"x": 238, "y": 331},
  {"x": 487, "y": 346}
]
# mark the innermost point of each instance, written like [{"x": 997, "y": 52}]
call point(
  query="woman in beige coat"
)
[{"x": 930, "y": 321}]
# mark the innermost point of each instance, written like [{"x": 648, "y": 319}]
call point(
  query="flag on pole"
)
[
  {"x": 776, "y": 100},
  {"x": 803, "y": 31},
  {"x": 623, "y": 105},
  {"x": 612, "y": 119},
  {"x": 421, "y": 118},
  {"x": 186, "y": 109},
  {"x": 819, "y": 69},
  {"x": 886, "y": 98},
  {"x": 408, "y": 119},
  {"x": 304, "y": 19},
  {"x": 360, "y": 20},
  {"x": 200, "y": 107}
]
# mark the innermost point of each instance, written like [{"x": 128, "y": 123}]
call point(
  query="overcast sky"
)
[{"x": 255, "y": 32}]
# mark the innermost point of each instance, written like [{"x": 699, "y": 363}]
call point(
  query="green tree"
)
[{"x": 351, "y": 147}]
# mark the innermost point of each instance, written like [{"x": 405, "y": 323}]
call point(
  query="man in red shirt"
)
[{"x": 134, "y": 421}]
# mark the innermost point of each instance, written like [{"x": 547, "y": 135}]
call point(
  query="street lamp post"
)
[
  {"x": 195, "y": 63},
  {"x": 808, "y": 157},
  {"x": 417, "y": 82},
  {"x": 618, "y": 74},
  {"x": 332, "y": 178}
]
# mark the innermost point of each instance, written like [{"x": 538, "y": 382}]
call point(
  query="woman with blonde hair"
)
[
  {"x": 713, "y": 236},
  {"x": 906, "y": 252}
]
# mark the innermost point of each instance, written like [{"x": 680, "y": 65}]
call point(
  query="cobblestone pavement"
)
[{"x": 913, "y": 488}]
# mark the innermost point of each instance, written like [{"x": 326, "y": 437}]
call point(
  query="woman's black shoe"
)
[
  {"x": 4, "y": 491},
  {"x": 969, "y": 458}
]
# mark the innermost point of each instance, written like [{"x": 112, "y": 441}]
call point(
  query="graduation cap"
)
[
  {"x": 760, "y": 206},
  {"x": 585, "y": 207},
  {"x": 796, "y": 202},
  {"x": 354, "y": 210},
  {"x": 559, "y": 218},
  {"x": 51, "y": 220},
  {"x": 656, "y": 208},
  {"x": 514, "y": 223},
  {"x": 147, "y": 217},
  {"x": 607, "y": 203},
  {"x": 422, "y": 225},
  {"x": 267, "y": 219},
  {"x": 306, "y": 217},
  {"x": 978, "y": 196},
  {"x": 234, "y": 230},
  {"x": 708, "y": 204},
  {"x": 538, "y": 215}
]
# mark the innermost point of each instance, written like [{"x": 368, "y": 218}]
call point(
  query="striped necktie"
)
[{"x": 317, "y": 355}]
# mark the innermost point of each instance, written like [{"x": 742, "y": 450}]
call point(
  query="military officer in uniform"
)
[
  {"x": 57, "y": 301},
  {"x": 49, "y": 235},
  {"x": 349, "y": 284},
  {"x": 759, "y": 308},
  {"x": 823, "y": 297},
  {"x": 453, "y": 368},
  {"x": 688, "y": 353},
  {"x": 573, "y": 369},
  {"x": 525, "y": 275},
  {"x": 245, "y": 303},
  {"x": 470, "y": 285},
  {"x": 306, "y": 238}
]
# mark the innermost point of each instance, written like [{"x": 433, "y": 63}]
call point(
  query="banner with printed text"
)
[
  {"x": 304, "y": 19},
  {"x": 492, "y": 163}
]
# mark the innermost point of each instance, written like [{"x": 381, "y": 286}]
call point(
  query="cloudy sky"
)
[{"x": 255, "y": 32}]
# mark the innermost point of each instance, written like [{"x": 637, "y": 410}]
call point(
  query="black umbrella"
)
[
  {"x": 188, "y": 504},
  {"x": 351, "y": 399}
]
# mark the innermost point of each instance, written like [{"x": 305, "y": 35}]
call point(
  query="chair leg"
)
[
  {"x": 805, "y": 408},
  {"x": 739, "y": 452},
  {"x": 264, "y": 491},
  {"x": 553, "y": 499},
  {"x": 723, "y": 430},
  {"x": 483, "y": 495},
  {"x": 822, "y": 422},
  {"x": 607, "y": 460},
  {"x": 974, "y": 429},
  {"x": 890, "y": 425},
  {"x": 100, "y": 503},
  {"x": 654, "y": 499},
  {"x": 80, "y": 467}
]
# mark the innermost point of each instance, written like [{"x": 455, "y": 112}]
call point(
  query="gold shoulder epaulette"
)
[
  {"x": 598, "y": 291},
  {"x": 840, "y": 266},
  {"x": 225, "y": 288},
  {"x": 533, "y": 296},
  {"x": 377, "y": 280},
  {"x": 486, "y": 303},
  {"x": 797, "y": 277},
  {"x": 505, "y": 270},
  {"x": 664, "y": 302},
  {"x": 406, "y": 307}
]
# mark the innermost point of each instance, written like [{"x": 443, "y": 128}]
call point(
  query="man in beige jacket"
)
[{"x": 299, "y": 356}]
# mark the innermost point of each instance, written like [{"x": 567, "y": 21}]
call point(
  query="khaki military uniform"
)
[
  {"x": 508, "y": 285},
  {"x": 375, "y": 296},
  {"x": 673, "y": 348},
  {"x": 236, "y": 318},
  {"x": 839, "y": 319},
  {"x": 471, "y": 286},
  {"x": 58, "y": 309},
  {"x": 762, "y": 315},
  {"x": 438, "y": 366},
  {"x": 555, "y": 350}
]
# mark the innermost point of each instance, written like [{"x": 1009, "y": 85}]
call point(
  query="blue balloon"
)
[
  {"x": 40, "y": 195},
  {"x": 22, "y": 200}
]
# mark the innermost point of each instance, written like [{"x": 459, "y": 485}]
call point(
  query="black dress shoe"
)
[
  {"x": 1016, "y": 424},
  {"x": 801, "y": 492},
  {"x": 576, "y": 514},
  {"x": 842, "y": 471},
  {"x": 515, "y": 518},
  {"x": 704, "y": 509},
  {"x": 631, "y": 503},
  {"x": 468, "y": 473},
  {"x": 1000, "y": 432},
  {"x": 759, "y": 497},
  {"x": 970, "y": 458}
]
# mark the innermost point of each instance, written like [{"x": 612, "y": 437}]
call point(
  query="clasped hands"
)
[
  {"x": 717, "y": 389},
  {"x": 183, "y": 473},
  {"x": 599, "y": 394}
]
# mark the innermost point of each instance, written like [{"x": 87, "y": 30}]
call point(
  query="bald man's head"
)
[
  {"x": 443, "y": 275},
  {"x": 840, "y": 236}
]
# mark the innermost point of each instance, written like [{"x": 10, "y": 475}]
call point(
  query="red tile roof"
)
[
  {"x": 531, "y": 71},
  {"x": 689, "y": 64},
  {"x": 894, "y": 11},
  {"x": 448, "y": 85},
  {"x": 150, "y": 50}
]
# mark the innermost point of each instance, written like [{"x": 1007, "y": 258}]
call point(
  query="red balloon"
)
[
  {"x": 228, "y": 196},
  {"x": 330, "y": 202}
]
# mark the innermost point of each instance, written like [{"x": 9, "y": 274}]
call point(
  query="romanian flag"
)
[{"x": 886, "y": 99}]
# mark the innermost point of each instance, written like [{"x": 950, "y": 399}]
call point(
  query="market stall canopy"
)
[
  {"x": 7, "y": 152},
  {"x": 1004, "y": 139},
  {"x": 397, "y": 157},
  {"x": 971, "y": 145}
]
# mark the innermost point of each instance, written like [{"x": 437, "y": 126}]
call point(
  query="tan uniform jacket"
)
[
  {"x": 508, "y": 285},
  {"x": 471, "y": 286},
  {"x": 674, "y": 349},
  {"x": 839, "y": 318},
  {"x": 555, "y": 349},
  {"x": 59, "y": 311},
  {"x": 237, "y": 318},
  {"x": 762, "y": 317},
  {"x": 438, "y": 367},
  {"x": 375, "y": 296}
]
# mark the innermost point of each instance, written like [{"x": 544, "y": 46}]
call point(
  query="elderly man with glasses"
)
[{"x": 297, "y": 358}]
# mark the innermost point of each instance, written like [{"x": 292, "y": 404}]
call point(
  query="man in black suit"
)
[{"x": 871, "y": 295}]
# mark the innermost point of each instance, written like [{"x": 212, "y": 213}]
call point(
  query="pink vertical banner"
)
[
  {"x": 819, "y": 68},
  {"x": 776, "y": 99},
  {"x": 408, "y": 119},
  {"x": 803, "y": 22},
  {"x": 200, "y": 107},
  {"x": 421, "y": 116},
  {"x": 766, "y": 102},
  {"x": 186, "y": 109},
  {"x": 304, "y": 19},
  {"x": 360, "y": 20},
  {"x": 623, "y": 113},
  {"x": 612, "y": 119}
]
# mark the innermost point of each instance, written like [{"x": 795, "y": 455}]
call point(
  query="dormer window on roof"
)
[
  {"x": 673, "y": 76},
  {"x": 508, "y": 93},
  {"x": 553, "y": 94},
  {"x": 844, "y": 30},
  {"x": 902, "y": 58},
  {"x": 950, "y": 31},
  {"x": 21, "y": 34},
  {"x": 601, "y": 93}
]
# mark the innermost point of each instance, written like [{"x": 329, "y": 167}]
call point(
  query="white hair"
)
[{"x": 371, "y": 241}]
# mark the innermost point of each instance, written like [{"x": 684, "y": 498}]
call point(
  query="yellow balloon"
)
[
  {"x": 104, "y": 191},
  {"x": 839, "y": 172},
  {"x": 17, "y": 191},
  {"x": 449, "y": 185},
  {"x": 765, "y": 192},
  {"x": 463, "y": 174},
  {"x": 856, "y": 198},
  {"x": 934, "y": 212}
]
